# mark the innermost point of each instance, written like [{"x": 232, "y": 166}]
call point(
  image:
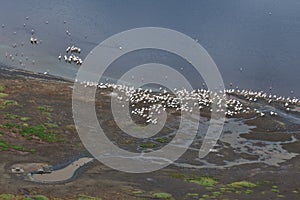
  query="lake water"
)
[{"x": 259, "y": 36}]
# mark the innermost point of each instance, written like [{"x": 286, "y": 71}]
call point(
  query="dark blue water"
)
[{"x": 259, "y": 36}]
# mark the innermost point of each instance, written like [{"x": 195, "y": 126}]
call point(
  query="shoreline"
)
[
  {"x": 39, "y": 103},
  {"x": 6, "y": 72}
]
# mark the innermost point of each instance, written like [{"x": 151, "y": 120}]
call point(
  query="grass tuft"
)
[
  {"x": 162, "y": 195},
  {"x": 203, "y": 181},
  {"x": 242, "y": 184}
]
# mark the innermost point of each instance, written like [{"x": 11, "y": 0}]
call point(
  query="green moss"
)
[
  {"x": 181, "y": 176},
  {"x": 24, "y": 119},
  {"x": 11, "y": 116},
  {"x": 7, "y": 197},
  {"x": 4, "y": 146},
  {"x": 203, "y": 181},
  {"x": 161, "y": 140},
  {"x": 136, "y": 192},
  {"x": 216, "y": 194},
  {"x": 51, "y": 125},
  {"x": 162, "y": 195},
  {"x": 238, "y": 192},
  {"x": 85, "y": 197},
  {"x": 1, "y": 88},
  {"x": 275, "y": 190},
  {"x": 222, "y": 189},
  {"x": 242, "y": 184},
  {"x": 10, "y": 102},
  {"x": 39, "y": 197},
  {"x": 40, "y": 132},
  {"x": 248, "y": 191},
  {"x": 45, "y": 108},
  {"x": 280, "y": 196},
  {"x": 192, "y": 194},
  {"x": 10, "y": 125},
  {"x": 275, "y": 187},
  {"x": 148, "y": 145},
  {"x": 2, "y": 95}
]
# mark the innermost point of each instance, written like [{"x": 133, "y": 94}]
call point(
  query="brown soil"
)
[{"x": 33, "y": 94}]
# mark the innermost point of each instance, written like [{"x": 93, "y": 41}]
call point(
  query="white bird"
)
[{"x": 33, "y": 40}]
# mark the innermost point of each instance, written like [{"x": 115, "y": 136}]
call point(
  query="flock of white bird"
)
[
  {"x": 35, "y": 41},
  {"x": 72, "y": 58},
  {"x": 145, "y": 103}
]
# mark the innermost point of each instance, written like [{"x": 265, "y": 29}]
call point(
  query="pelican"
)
[
  {"x": 68, "y": 49},
  {"x": 33, "y": 40},
  {"x": 68, "y": 33}
]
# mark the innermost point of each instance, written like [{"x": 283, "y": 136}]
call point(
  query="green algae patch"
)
[
  {"x": 203, "y": 181},
  {"x": 162, "y": 195},
  {"x": 242, "y": 184}
]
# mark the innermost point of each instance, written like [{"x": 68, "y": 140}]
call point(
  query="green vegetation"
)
[
  {"x": 2, "y": 95},
  {"x": 7, "y": 197},
  {"x": 161, "y": 140},
  {"x": 216, "y": 194},
  {"x": 46, "y": 109},
  {"x": 275, "y": 190},
  {"x": 162, "y": 195},
  {"x": 16, "y": 197},
  {"x": 25, "y": 119},
  {"x": 10, "y": 125},
  {"x": 51, "y": 125},
  {"x": 248, "y": 191},
  {"x": 206, "y": 181},
  {"x": 203, "y": 181},
  {"x": 10, "y": 102},
  {"x": 148, "y": 145},
  {"x": 192, "y": 194},
  {"x": 85, "y": 197},
  {"x": 11, "y": 116},
  {"x": 1, "y": 88},
  {"x": 4, "y": 146},
  {"x": 242, "y": 184},
  {"x": 39, "y": 197},
  {"x": 136, "y": 192},
  {"x": 180, "y": 176},
  {"x": 38, "y": 131},
  {"x": 204, "y": 196}
]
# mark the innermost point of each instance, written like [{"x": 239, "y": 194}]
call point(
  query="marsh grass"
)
[
  {"x": 162, "y": 195},
  {"x": 38, "y": 131},
  {"x": 5, "y": 146},
  {"x": 3, "y": 95},
  {"x": 203, "y": 181}
]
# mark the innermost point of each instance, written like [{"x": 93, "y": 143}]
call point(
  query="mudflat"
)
[{"x": 256, "y": 158}]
